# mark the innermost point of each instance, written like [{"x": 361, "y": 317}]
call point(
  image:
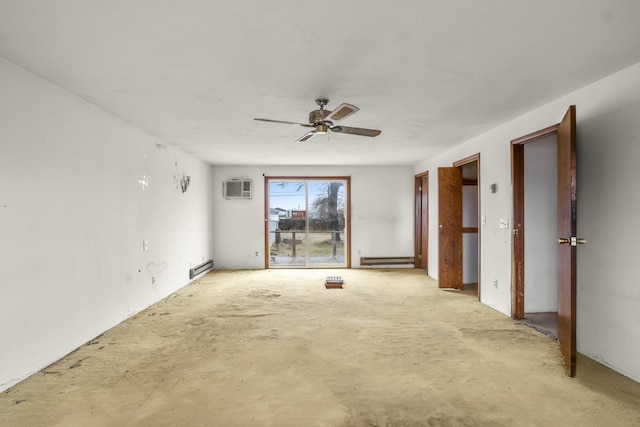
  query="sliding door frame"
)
[{"x": 347, "y": 205}]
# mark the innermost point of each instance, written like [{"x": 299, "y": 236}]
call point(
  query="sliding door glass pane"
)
[
  {"x": 326, "y": 222},
  {"x": 287, "y": 223}
]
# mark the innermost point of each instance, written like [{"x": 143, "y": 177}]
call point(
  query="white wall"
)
[
  {"x": 541, "y": 226},
  {"x": 79, "y": 192},
  {"x": 608, "y": 291},
  {"x": 381, "y": 212}
]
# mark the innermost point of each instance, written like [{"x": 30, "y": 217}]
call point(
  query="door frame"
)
[
  {"x": 347, "y": 206},
  {"x": 421, "y": 239},
  {"x": 517, "y": 241},
  {"x": 460, "y": 163}
]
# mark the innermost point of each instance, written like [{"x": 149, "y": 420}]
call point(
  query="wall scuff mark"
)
[
  {"x": 182, "y": 181},
  {"x": 156, "y": 270}
]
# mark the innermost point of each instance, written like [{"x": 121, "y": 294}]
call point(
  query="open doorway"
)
[
  {"x": 470, "y": 171},
  {"x": 540, "y": 225},
  {"x": 535, "y": 200}
]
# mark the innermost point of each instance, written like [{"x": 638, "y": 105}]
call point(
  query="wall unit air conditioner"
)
[{"x": 236, "y": 189}]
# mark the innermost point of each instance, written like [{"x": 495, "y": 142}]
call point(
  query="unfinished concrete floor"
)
[{"x": 275, "y": 348}]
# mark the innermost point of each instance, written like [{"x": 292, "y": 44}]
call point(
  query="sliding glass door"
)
[{"x": 307, "y": 222}]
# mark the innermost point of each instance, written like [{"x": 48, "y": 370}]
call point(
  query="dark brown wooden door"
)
[
  {"x": 421, "y": 251},
  {"x": 567, "y": 239},
  {"x": 450, "y": 228}
]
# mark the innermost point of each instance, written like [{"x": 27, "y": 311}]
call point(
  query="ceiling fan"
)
[{"x": 324, "y": 120}]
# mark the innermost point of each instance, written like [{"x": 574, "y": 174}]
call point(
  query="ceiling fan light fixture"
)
[{"x": 322, "y": 128}]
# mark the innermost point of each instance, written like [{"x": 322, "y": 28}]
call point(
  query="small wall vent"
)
[{"x": 236, "y": 189}]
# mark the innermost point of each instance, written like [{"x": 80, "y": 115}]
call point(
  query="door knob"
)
[{"x": 573, "y": 241}]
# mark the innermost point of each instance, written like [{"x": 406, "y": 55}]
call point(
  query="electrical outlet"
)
[
  {"x": 145, "y": 245},
  {"x": 504, "y": 222},
  {"x": 495, "y": 283},
  {"x": 257, "y": 253},
  {"x": 153, "y": 280}
]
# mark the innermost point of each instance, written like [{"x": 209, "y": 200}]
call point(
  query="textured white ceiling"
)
[{"x": 430, "y": 74}]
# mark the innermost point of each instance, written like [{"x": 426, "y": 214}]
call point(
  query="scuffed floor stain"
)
[{"x": 78, "y": 363}]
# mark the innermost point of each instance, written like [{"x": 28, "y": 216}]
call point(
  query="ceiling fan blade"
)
[
  {"x": 307, "y": 136},
  {"x": 356, "y": 131},
  {"x": 343, "y": 111},
  {"x": 286, "y": 123}
]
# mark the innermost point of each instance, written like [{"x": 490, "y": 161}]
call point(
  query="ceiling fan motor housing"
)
[{"x": 316, "y": 118}]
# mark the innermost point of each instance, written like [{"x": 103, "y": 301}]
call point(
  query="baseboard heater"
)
[
  {"x": 394, "y": 260},
  {"x": 199, "y": 269}
]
